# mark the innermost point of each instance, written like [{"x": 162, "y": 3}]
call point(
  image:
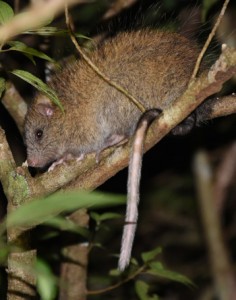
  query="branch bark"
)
[
  {"x": 20, "y": 279},
  {"x": 37, "y": 15},
  {"x": 15, "y": 105},
  {"x": 217, "y": 107}
]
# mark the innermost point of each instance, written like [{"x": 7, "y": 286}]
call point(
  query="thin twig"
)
[
  {"x": 34, "y": 16},
  {"x": 209, "y": 39},
  {"x": 139, "y": 105},
  {"x": 120, "y": 283},
  {"x": 15, "y": 105},
  {"x": 216, "y": 107},
  {"x": 117, "y": 7}
]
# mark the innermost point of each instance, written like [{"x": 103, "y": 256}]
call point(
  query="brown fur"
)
[{"x": 153, "y": 66}]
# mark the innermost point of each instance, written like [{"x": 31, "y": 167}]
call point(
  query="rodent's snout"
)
[{"x": 34, "y": 162}]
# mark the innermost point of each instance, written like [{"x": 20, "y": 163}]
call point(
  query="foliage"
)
[{"x": 6, "y": 12}]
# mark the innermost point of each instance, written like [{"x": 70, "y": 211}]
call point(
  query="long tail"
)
[{"x": 134, "y": 176}]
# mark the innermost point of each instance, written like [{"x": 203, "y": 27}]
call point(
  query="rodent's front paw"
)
[{"x": 58, "y": 162}]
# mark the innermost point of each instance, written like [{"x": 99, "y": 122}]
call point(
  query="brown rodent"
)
[{"x": 153, "y": 66}]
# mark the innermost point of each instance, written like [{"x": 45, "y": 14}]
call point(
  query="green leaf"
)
[
  {"x": 141, "y": 289},
  {"x": 4, "y": 252},
  {"x": 6, "y": 12},
  {"x": 47, "y": 31},
  {"x": 2, "y": 86},
  {"x": 103, "y": 217},
  {"x": 109, "y": 216},
  {"x": 23, "y": 48},
  {"x": 40, "y": 85},
  {"x": 54, "y": 31},
  {"x": 95, "y": 216},
  {"x": 46, "y": 281},
  {"x": 133, "y": 267},
  {"x": 42, "y": 210},
  {"x": 151, "y": 255},
  {"x": 157, "y": 269},
  {"x": 115, "y": 272},
  {"x": 65, "y": 224},
  {"x": 99, "y": 218},
  {"x": 206, "y": 6}
]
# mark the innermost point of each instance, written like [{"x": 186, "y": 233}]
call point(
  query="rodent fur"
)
[{"x": 153, "y": 66}]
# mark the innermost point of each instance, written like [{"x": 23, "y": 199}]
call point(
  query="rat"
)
[{"x": 154, "y": 66}]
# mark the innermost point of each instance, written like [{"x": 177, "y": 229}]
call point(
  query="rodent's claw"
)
[
  {"x": 25, "y": 164},
  {"x": 81, "y": 157}
]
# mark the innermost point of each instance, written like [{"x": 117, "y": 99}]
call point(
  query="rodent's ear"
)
[
  {"x": 44, "y": 105},
  {"x": 46, "y": 110}
]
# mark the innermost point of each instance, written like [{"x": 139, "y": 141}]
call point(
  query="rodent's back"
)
[{"x": 153, "y": 66}]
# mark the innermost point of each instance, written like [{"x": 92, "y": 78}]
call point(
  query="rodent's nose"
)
[{"x": 32, "y": 162}]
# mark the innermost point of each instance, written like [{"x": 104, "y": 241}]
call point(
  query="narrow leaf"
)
[
  {"x": 6, "y": 12},
  {"x": 151, "y": 255},
  {"x": 141, "y": 289},
  {"x": 157, "y": 269},
  {"x": 54, "y": 31},
  {"x": 109, "y": 216},
  {"x": 42, "y": 210},
  {"x": 46, "y": 282},
  {"x": 47, "y": 31},
  {"x": 39, "y": 85},
  {"x": 106, "y": 216},
  {"x": 21, "y": 47},
  {"x": 65, "y": 224}
]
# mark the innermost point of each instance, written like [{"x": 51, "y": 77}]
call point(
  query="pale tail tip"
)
[{"x": 123, "y": 263}]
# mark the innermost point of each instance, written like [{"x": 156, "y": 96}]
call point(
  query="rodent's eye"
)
[{"x": 38, "y": 134}]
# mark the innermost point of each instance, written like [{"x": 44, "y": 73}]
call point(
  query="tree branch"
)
[
  {"x": 34, "y": 17},
  {"x": 217, "y": 107},
  {"x": 116, "y": 7},
  {"x": 15, "y": 105},
  {"x": 74, "y": 269},
  {"x": 20, "y": 279},
  {"x": 209, "y": 39}
]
